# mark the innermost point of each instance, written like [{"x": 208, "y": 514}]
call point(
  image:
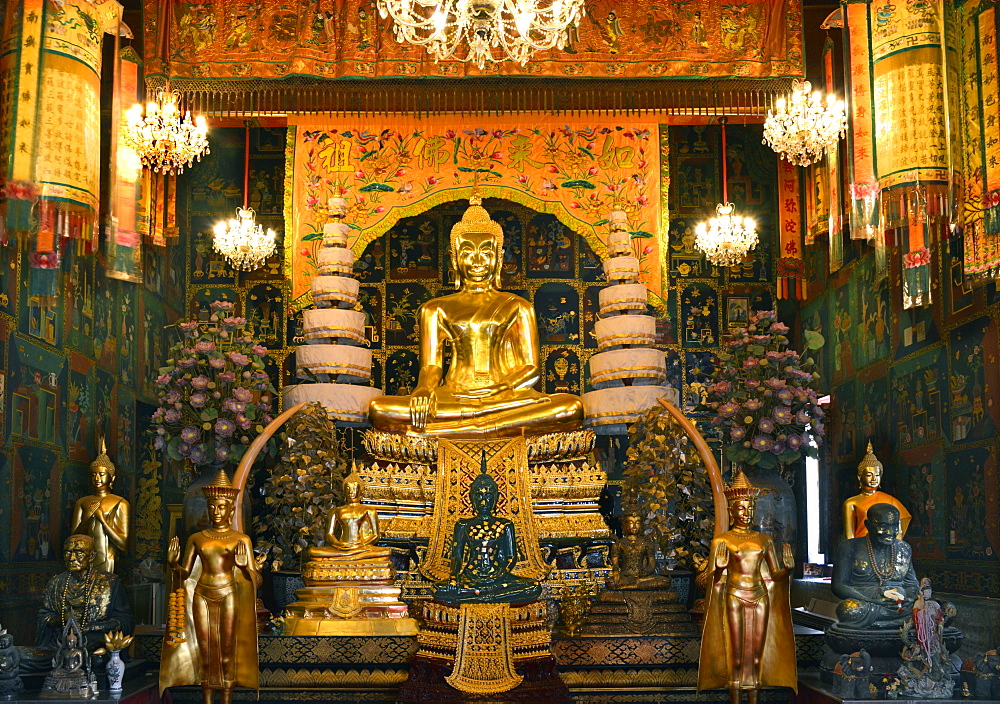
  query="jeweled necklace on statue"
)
[
  {"x": 217, "y": 534},
  {"x": 88, "y": 588},
  {"x": 882, "y": 576}
]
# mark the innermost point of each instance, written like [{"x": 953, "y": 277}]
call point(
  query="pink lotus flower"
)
[
  {"x": 752, "y": 404},
  {"x": 198, "y": 400},
  {"x": 737, "y": 432},
  {"x": 766, "y": 425},
  {"x": 762, "y": 443},
  {"x": 228, "y": 377},
  {"x": 728, "y": 409},
  {"x": 782, "y": 414},
  {"x": 778, "y": 447},
  {"x": 794, "y": 441},
  {"x": 163, "y": 379},
  {"x": 204, "y": 346}
]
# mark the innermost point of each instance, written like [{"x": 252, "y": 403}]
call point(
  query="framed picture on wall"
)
[{"x": 737, "y": 311}]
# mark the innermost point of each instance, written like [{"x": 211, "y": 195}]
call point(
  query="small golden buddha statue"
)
[
  {"x": 633, "y": 557},
  {"x": 487, "y": 390},
  {"x": 351, "y": 529},
  {"x": 220, "y": 608},
  {"x": 103, "y": 516},
  {"x": 484, "y": 554},
  {"x": 856, "y": 507},
  {"x": 747, "y": 641}
]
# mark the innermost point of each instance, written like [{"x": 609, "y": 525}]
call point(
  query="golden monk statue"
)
[
  {"x": 351, "y": 529},
  {"x": 747, "y": 640},
  {"x": 633, "y": 557},
  {"x": 103, "y": 516},
  {"x": 487, "y": 390},
  {"x": 856, "y": 507},
  {"x": 219, "y": 647}
]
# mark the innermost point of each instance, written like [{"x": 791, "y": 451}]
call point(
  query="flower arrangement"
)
[
  {"x": 764, "y": 397},
  {"x": 215, "y": 396}
]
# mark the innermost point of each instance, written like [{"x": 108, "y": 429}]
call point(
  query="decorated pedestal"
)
[{"x": 484, "y": 652}]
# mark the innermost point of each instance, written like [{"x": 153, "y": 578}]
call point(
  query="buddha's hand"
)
[
  {"x": 787, "y": 556},
  {"x": 241, "y": 556},
  {"x": 423, "y": 406},
  {"x": 174, "y": 551}
]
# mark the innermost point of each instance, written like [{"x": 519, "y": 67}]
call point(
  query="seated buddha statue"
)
[
  {"x": 488, "y": 387},
  {"x": 484, "y": 554},
  {"x": 873, "y": 575},
  {"x": 633, "y": 557},
  {"x": 351, "y": 529},
  {"x": 856, "y": 507},
  {"x": 71, "y": 676}
]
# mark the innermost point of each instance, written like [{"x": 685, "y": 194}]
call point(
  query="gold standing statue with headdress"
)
[
  {"x": 856, "y": 507},
  {"x": 103, "y": 516},
  {"x": 747, "y": 641},
  {"x": 214, "y": 643},
  {"x": 488, "y": 388}
]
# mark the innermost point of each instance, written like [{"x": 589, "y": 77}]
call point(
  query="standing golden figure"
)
[
  {"x": 487, "y": 390},
  {"x": 856, "y": 507},
  {"x": 214, "y": 641},
  {"x": 103, "y": 516},
  {"x": 748, "y": 616}
]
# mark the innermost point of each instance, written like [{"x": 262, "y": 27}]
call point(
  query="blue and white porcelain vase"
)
[{"x": 116, "y": 671}]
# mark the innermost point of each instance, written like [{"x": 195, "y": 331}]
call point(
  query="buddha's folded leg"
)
[{"x": 854, "y": 613}]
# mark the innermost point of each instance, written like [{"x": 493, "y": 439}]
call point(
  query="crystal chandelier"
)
[
  {"x": 804, "y": 126},
  {"x": 242, "y": 241},
  {"x": 164, "y": 141},
  {"x": 518, "y": 28},
  {"x": 726, "y": 238}
]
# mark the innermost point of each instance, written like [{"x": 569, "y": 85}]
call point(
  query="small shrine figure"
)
[
  {"x": 103, "y": 516},
  {"x": 95, "y": 599},
  {"x": 856, "y": 508},
  {"x": 220, "y": 610},
  {"x": 747, "y": 641},
  {"x": 10, "y": 662},
  {"x": 927, "y": 669},
  {"x": 873, "y": 575},
  {"x": 349, "y": 581},
  {"x": 484, "y": 554},
  {"x": 71, "y": 676},
  {"x": 633, "y": 557}
]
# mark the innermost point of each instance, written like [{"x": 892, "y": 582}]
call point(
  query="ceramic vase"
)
[{"x": 115, "y": 671}]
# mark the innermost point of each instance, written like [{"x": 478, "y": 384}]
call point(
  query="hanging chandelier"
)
[
  {"x": 804, "y": 126},
  {"x": 516, "y": 28},
  {"x": 242, "y": 241},
  {"x": 726, "y": 238},
  {"x": 165, "y": 142}
]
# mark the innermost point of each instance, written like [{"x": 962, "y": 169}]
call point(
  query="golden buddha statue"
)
[
  {"x": 351, "y": 529},
  {"x": 856, "y": 507},
  {"x": 349, "y": 581},
  {"x": 747, "y": 641},
  {"x": 220, "y": 610},
  {"x": 633, "y": 557},
  {"x": 103, "y": 516},
  {"x": 487, "y": 390}
]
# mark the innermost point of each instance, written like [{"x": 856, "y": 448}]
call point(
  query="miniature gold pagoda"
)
[{"x": 349, "y": 581}]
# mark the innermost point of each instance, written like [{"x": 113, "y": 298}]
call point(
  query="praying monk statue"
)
[{"x": 487, "y": 390}]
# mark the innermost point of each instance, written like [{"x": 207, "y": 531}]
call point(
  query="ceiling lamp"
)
[
  {"x": 242, "y": 241},
  {"x": 164, "y": 141},
  {"x": 518, "y": 28},
  {"x": 726, "y": 238},
  {"x": 802, "y": 127}
]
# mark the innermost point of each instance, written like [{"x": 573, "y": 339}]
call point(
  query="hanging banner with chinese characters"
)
[
  {"x": 791, "y": 266},
  {"x": 981, "y": 138},
  {"x": 861, "y": 136},
  {"x": 912, "y": 147},
  {"x": 123, "y": 246},
  {"x": 241, "y": 39},
  {"x": 835, "y": 219},
  {"x": 391, "y": 170}
]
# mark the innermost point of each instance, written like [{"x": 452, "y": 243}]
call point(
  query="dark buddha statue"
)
[
  {"x": 873, "y": 575},
  {"x": 633, "y": 557},
  {"x": 71, "y": 676},
  {"x": 484, "y": 554}
]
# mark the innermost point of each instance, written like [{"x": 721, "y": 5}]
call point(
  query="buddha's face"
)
[
  {"x": 100, "y": 478},
  {"x": 741, "y": 513},
  {"x": 632, "y": 524},
  {"x": 882, "y": 526},
  {"x": 71, "y": 640},
  {"x": 483, "y": 496},
  {"x": 870, "y": 477},
  {"x": 476, "y": 257},
  {"x": 352, "y": 490},
  {"x": 220, "y": 512}
]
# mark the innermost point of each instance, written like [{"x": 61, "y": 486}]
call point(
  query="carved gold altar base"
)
[
  {"x": 484, "y": 652},
  {"x": 564, "y": 486},
  {"x": 356, "y": 599}
]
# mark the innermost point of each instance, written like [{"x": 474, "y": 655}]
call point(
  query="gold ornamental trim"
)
[
  {"x": 484, "y": 663},
  {"x": 550, "y": 447},
  {"x": 641, "y": 372},
  {"x": 326, "y": 367},
  {"x": 628, "y": 679},
  {"x": 625, "y": 339}
]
